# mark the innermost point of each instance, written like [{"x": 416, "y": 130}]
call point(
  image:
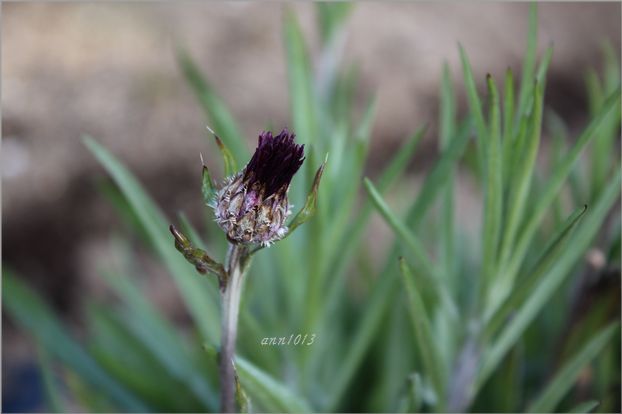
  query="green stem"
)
[{"x": 230, "y": 293}]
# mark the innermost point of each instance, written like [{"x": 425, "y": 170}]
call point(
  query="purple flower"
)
[{"x": 252, "y": 206}]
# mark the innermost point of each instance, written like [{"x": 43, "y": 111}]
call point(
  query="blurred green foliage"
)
[{"x": 511, "y": 319}]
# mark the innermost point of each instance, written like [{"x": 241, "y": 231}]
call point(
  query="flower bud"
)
[{"x": 252, "y": 206}]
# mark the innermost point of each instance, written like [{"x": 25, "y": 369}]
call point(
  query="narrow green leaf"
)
[
  {"x": 493, "y": 203},
  {"x": 475, "y": 105},
  {"x": 439, "y": 175},
  {"x": 124, "y": 356},
  {"x": 29, "y": 311},
  {"x": 208, "y": 188},
  {"x": 528, "y": 283},
  {"x": 213, "y": 106},
  {"x": 340, "y": 226},
  {"x": 541, "y": 295},
  {"x": 447, "y": 113},
  {"x": 400, "y": 229},
  {"x": 302, "y": 101},
  {"x": 518, "y": 199},
  {"x": 447, "y": 127},
  {"x": 568, "y": 373},
  {"x": 511, "y": 263},
  {"x": 156, "y": 333},
  {"x": 416, "y": 247},
  {"x": 331, "y": 16},
  {"x": 50, "y": 384},
  {"x": 308, "y": 210},
  {"x": 387, "y": 285},
  {"x": 400, "y": 160},
  {"x": 231, "y": 166},
  {"x": 375, "y": 309},
  {"x": 241, "y": 398},
  {"x": 529, "y": 62},
  {"x": 200, "y": 294},
  {"x": 508, "y": 121},
  {"x": 416, "y": 391},
  {"x": 268, "y": 392},
  {"x": 586, "y": 407},
  {"x": 544, "y": 66},
  {"x": 199, "y": 258},
  {"x": 423, "y": 333}
]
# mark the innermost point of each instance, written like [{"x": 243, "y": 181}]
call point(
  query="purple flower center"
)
[{"x": 274, "y": 162}]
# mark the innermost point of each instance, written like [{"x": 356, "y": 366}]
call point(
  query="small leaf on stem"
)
[
  {"x": 199, "y": 258},
  {"x": 230, "y": 164},
  {"x": 311, "y": 203},
  {"x": 207, "y": 186}
]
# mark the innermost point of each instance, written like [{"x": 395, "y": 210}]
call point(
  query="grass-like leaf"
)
[
  {"x": 567, "y": 375},
  {"x": 30, "y": 312},
  {"x": 586, "y": 407},
  {"x": 475, "y": 105},
  {"x": 270, "y": 394},
  {"x": 438, "y": 176},
  {"x": 423, "y": 333},
  {"x": 519, "y": 194},
  {"x": 215, "y": 110},
  {"x": 544, "y": 290},
  {"x": 200, "y": 294},
  {"x": 493, "y": 202},
  {"x": 50, "y": 384},
  {"x": 550, "y": 254},
  {"x": 159, "y": 338},
  {"x": 302, "y": 102},
  {"x": 529, "y": 62},
  {"x": 447, "y": 115},
  {"x": 231, "y": 166},
  {"x": 510, "y": 261}
]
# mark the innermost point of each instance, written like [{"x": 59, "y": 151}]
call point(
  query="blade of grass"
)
[
  {"x": 331, "y": 17},
  {"x": 438, "y": 176},
  {"x": 132, "y": 364},
  {"x": 29, "y": 311},
  {"x": 511, "y": 265},
  {"x": 336, "y": 226},
  {"x": 50, "y": 384},
  {"x": 375, "y": 309},
  {"x": 302, "y": 102},
  {"x": 541, "y": 294},
  {"x": 158, "y": 336},
  {"x": 350, "y": 237},
  {"x": 475, "y": 106},
  {"x": 230, "y": 165},
  {"x": 518, "y": 200},
  {"x": 423, "y": 334},
  {"x": 416, "y": 247},
  {"x": 387, "y": 285},
  {"x": 529, "y": 62},
  {"x": 200, "y": 294},
  {"x": 493, "y": 202},
  {"x": 586, "y": 407},
  {"x": 568, "y": 374},
  {"x": 215, "y": 110},
  {"x": 550, "y": 254},
  {"x": 272, "y": 395},
  {"x": 447, "y": 131},
  {"x": 508, "y": 125}
]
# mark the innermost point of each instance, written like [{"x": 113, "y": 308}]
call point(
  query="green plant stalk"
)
[{"x": 231, "y": 292}]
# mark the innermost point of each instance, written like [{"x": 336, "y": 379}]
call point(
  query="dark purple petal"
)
[{"x": 274, "y": 162}]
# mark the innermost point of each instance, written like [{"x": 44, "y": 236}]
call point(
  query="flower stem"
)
[{"x": 230, "y": 293}]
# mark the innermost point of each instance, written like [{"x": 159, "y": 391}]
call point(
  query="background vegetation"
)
[{"x": 524, "y": 316}]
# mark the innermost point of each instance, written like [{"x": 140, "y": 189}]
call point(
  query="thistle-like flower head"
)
[{"x": 252, "y": 205}]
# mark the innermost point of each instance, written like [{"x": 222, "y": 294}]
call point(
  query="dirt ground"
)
[{"x": 109, "y": 70}]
